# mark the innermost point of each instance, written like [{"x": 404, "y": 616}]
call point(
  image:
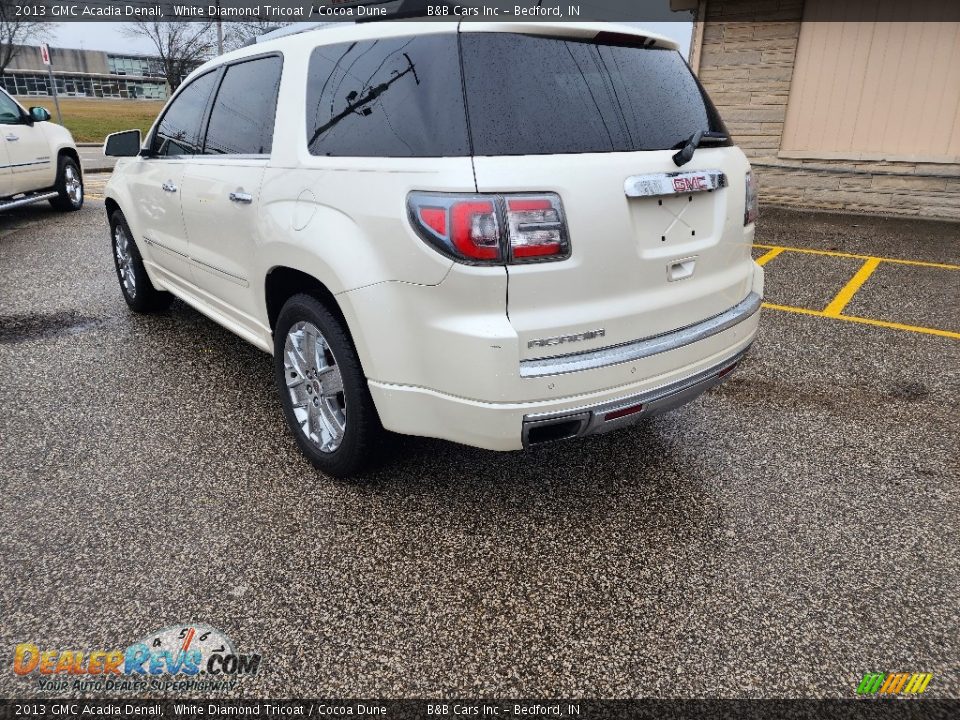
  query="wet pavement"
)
[{"x": 781, "y": 536}]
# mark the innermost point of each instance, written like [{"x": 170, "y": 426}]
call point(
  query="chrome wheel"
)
[
  {"x": 73, "y": 184},
  {"x": 315, "y": 386},
  {"x": 124, "y": 255}
]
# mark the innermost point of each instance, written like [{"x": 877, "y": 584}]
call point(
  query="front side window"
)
[
  {"x": 9, "y": 111},
  {"x": 179, "y": 130},
  {"x": 392, "y": 97},
  {"x": 241, "y": 121}
]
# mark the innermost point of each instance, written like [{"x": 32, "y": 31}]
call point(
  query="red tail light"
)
[
  {"x": 435, "y": 219},
  {"x": 491, "y": 229},
  {"x": 476, "y": 232}
]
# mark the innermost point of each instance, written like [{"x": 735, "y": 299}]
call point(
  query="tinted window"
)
[
  {"x": 9, "y": 111},
  {"x": 241, "y": 122},
  {"x": 541, "y": 95},
  {"x": 179, "y": 130},
  {"x": 396, "y": 97}
]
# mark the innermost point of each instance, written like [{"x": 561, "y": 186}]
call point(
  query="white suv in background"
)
[
  {"x": 38, "y": 159},
  {"x": 496, "y": 234}
]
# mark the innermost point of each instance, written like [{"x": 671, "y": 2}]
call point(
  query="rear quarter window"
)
[
  {"x": 394, "y": 97},
  {"x": 529, "y": 95}
]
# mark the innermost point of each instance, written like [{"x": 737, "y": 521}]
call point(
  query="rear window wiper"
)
[{"x": 693, "y": 142}]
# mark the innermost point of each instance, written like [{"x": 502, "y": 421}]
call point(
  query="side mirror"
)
[
  {"x": 122, "y": 144},
  {"x": 39, "y": 114}
]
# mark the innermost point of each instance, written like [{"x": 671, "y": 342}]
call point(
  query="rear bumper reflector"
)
[
  {"x": 639, "y": 349},
  {"x": 624, "y": 412}
]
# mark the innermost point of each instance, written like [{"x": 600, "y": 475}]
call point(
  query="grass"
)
[{"x": 91, "y": 120}]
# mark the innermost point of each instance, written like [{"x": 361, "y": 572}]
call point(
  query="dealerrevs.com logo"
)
[{"x": 186, "y": 657}]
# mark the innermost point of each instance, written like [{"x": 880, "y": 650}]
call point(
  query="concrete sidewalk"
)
[{"x": 93, "y": 159}]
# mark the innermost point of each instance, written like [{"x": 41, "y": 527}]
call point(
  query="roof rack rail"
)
[{"x": 292, "y": 29}]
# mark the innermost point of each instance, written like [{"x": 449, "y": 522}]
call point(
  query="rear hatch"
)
[{"x": 597, "y": 120}]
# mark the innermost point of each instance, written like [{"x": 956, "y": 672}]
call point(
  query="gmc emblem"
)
[{"x": 690, "y": 184}]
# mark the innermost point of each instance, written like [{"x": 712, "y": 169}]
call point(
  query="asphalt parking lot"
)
[{"x": 781, "y": 536}]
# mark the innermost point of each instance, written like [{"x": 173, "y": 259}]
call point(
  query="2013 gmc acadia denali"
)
[{"x": 496, "y": 234}]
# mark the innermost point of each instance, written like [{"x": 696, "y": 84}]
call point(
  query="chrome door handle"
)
[
  {"x": 168, "y": 186},
  {"x": 13, "y": 138},
  {"x": 241, "y": 197}
]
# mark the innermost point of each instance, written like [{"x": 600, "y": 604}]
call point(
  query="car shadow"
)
[{"x": 642, "y": 469}]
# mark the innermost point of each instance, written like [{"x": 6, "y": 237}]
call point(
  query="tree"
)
[
  {"x": 239, "y": 33},
  {"x": 181, "y": 46},
  {"x": 16, "y": 32}
]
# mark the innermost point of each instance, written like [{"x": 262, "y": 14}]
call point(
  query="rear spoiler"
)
[
  {"x": 608, "y": 33},
  {"x": 611, "y": 33}
]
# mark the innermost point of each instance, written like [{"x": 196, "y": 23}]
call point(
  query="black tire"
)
[
  {"x": 68, "y": 172},
  {"x": 140, "y": 294},
  {"x": 362, "y": 433}
]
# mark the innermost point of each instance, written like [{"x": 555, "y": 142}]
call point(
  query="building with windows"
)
[
  {"x": 86, "y": 73},
  {"x": 848, "y": 106}
]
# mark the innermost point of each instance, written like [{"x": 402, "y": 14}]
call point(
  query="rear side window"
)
[
  {"x": 530, "y": 95},
  {"x": 179, "y": 130},
  {"x": 243, "y": 114},
  {"x": 395, "y": 97}
]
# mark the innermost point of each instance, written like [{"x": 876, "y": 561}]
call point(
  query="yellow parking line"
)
[
  {"x": 834, "y": 253},
  {"x": 843, "y": 297},
  {"x": 769, "y": 255},
  {"x": 864, "y": 321}
]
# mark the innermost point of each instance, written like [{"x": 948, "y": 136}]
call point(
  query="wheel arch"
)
[
  {"x": 72, "y": 154},
  {"x": 282, "y": 282},
  {"x": 111, "y": 205}
]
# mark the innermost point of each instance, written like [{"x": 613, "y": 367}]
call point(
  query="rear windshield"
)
[{"x": 530, "y": 95}]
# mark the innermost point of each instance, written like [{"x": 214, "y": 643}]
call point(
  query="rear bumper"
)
[
  {"x": 539, "y": 428},
  {"x": 640, "y": 349},
  {"x": 683, "y": 373}
]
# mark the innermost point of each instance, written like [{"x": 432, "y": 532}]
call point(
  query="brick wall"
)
[{"x": 746, "y": 64}]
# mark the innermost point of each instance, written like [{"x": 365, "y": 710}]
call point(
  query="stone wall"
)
[{"x": 746, "y": 64}]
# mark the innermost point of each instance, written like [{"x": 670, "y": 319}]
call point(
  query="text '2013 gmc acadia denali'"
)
[{"x": 496, "y": 234}]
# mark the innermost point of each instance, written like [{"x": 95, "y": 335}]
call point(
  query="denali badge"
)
[{"x": 560, "y": 339}]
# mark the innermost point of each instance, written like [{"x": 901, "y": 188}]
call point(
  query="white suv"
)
[
  {"x": 38, "y": 159},
  {"x": 496, "y": 234}
]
